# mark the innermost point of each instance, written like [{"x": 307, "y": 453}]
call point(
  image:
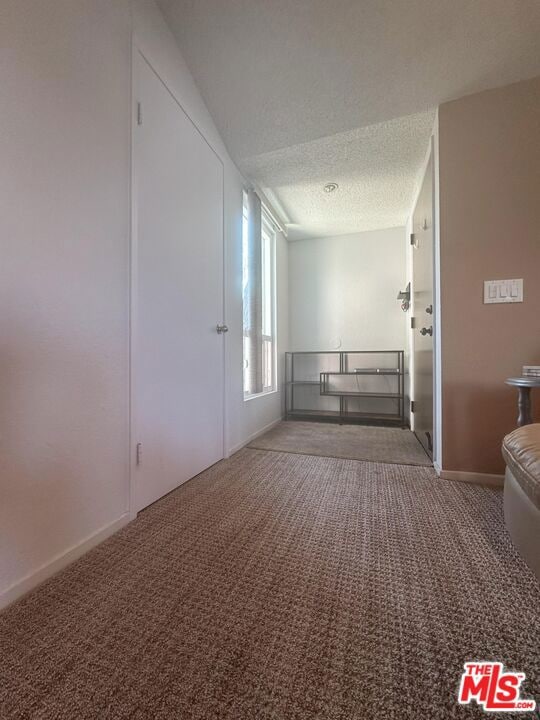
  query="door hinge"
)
[
  {"x": 412, "y": 239},
  {"x": 139, "y": 113},
  {"x": 413, "y": 323},
  {"x": 413, "y": 406},
  {"x": 138, "y": 454}
]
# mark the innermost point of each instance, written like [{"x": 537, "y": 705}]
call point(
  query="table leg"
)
[{"x": 524, "y": 406}]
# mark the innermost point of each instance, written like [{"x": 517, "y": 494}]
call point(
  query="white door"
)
[
  {"x": 177, "y": 295},
  {"x": 423, "y": 311}
]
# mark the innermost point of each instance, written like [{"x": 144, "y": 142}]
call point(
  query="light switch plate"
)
[{"x": 503, "y": 291}]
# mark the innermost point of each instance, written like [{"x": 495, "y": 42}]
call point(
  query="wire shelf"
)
[{"x": 346, "y": 386}]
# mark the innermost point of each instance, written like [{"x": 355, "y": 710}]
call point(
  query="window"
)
[
  {"x": 258, "y": 287},
  {"x": 268, "y": 239}
]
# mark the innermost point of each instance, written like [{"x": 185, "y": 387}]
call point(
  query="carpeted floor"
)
[
  {"x": 352, "y": 442},
  {"x": 280, "y": 587}
]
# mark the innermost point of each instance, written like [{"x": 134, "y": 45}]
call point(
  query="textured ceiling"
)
[
  {"x": 375, "y": 167},
  {"x": 281, "y": 73}
]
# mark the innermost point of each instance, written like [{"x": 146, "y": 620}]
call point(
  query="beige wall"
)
[{"x": 490, "y": 229}]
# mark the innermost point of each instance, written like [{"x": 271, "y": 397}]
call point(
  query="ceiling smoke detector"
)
[{"x": 330, "y": 187}]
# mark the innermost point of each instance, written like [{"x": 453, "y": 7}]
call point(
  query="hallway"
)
[
  {"x": 279, "y": 586},
  {"x": 349, "y": 442},
  {"x": 246, "y": 247}
]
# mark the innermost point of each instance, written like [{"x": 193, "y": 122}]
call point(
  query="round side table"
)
[{"x": 524, "y": 385}]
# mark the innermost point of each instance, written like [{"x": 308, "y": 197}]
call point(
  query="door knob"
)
[
  {"x": 427, "y": 331},
  {"x": 221, "y": 329},
  {"x": 429, "y": 309}
]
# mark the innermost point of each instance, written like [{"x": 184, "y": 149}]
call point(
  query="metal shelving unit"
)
[{"x": 360, "y": 386}]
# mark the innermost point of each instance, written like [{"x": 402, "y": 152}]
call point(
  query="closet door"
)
[{"x": 177, "y": 295}]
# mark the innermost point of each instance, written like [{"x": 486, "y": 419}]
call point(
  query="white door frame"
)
[
  {"x": 437, "y": 354},
  {"x": 136, "y": 47}
]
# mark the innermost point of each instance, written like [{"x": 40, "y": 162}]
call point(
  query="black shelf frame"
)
[{"x": 344, "y": 415}]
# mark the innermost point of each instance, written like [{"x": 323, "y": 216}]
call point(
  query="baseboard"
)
[
  {"x": 254, "y": 436},
  {"x": 29, "y": 582},
  {"x": 473, "y": 477}
]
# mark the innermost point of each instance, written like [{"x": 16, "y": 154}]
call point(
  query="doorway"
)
[
  {"x": 423, "y": 271},
  {"x": 177, "y": 294}
]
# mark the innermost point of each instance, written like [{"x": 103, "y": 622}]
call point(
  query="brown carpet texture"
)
[
  {"x": 280, "y": 587},
  {"x": 352, "y": 442}
]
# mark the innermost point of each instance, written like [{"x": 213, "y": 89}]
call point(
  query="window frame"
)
[
  {"x": 268, "y": 236},
  {"x": 268, "y": 228}
]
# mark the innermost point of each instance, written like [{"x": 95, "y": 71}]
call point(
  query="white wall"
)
[
  {"x": 64, "y": 189},
  {"x": 342, "y": 292},
  {"x": 64, "y": 277}
]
